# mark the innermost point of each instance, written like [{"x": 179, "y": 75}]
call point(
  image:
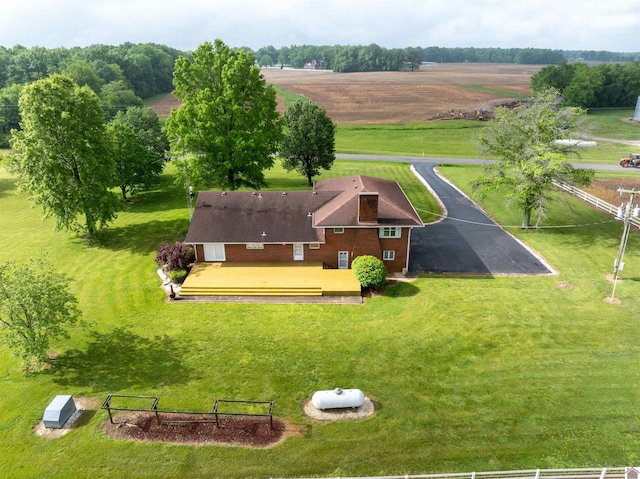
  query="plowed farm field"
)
[{"x": 437, "y": 91}]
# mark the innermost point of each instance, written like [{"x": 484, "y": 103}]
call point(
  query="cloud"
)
[{"x": 589, "y": 25}]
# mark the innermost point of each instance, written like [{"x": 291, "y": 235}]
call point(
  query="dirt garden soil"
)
[
  {"x": 230, "y": 431},
  {"x": 438, "y": 91}
]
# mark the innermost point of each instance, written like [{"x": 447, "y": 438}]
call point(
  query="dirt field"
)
[
  {"x": 607, "y": 189},
  {"x": 435, "y": 92}
]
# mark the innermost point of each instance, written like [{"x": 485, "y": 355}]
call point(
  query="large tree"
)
[
  {"x": 227, "y": 122},
  {"x": 140, "y": 147},
  {"x": 309, "y": 142},
  {"x": 63, "y": 155},
  {"x": 136, "y": 165},
  {"x": 528, "y": 157},
  {"x": 35, "y": 307},
  {"x": 146, "y": 124}
]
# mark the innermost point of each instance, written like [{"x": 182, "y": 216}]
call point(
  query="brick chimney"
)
[{"x": 368, "y": 207}]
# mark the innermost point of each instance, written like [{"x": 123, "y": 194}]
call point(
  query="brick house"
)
[{"x": 338, "y": 220}]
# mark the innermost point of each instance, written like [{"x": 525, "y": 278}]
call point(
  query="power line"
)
[{"x": 493, "y": 225}]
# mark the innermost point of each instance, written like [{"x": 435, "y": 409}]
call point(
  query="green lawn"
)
[
  {"x": 457, "y": 139},
  {"x": 451, "y": 139},
  {"x": 491, "y": 373}
]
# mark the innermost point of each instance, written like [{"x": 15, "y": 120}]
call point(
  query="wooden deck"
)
[{"x": 269, "y": 279}]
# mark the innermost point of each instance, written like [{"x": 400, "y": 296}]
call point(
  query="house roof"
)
[
  {"x": 295, "y": 216},
  {"x": 243, "y": 217},
  {"x": 394, "y": 208}
]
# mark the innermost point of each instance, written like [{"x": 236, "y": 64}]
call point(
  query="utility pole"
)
[{"x": 626, "y": 213}]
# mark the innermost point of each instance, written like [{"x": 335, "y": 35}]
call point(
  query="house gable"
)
[{"x": 393, "y": 206}]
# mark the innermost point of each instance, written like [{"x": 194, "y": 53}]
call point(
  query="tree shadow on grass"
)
[
  {"x": 401, "y": 290},
  {"x": 7, "y": 185},
  {"x": 121, "y": 360},
  {"x": 151, "y": 201},
  {"x": 141, "y": 238}
]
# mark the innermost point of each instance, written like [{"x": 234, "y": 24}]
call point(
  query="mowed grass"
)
[
  {"x": 454, "y": 139},
  {"x": 458, "y": 139},
  {"x": 490, "y": 373}
]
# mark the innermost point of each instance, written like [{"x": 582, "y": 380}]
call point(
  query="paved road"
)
[
  {"x": 614, "y": 166},
  {"x": 466, "y": 241}
]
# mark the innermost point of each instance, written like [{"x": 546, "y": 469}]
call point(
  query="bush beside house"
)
[
  {"x": 175, "y": 259},
  {"x": 370, "y": 271}
]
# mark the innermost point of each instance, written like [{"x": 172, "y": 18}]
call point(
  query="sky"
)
[{"x": 612, "y": 25}]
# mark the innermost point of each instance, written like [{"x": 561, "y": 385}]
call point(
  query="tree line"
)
[
  {"x": 354, "y": 58},
  {"x": 607, "y": 85},
  {"x": 122, "y": 76}
]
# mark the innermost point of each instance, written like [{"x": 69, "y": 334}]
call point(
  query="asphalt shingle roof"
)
[{"x": 295, "y": 216}]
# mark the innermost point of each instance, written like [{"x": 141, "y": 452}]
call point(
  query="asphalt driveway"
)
[{"x": 466, "y": 241}]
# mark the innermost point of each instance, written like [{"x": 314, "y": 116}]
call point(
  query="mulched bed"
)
[{"x": 232, "y": 431}]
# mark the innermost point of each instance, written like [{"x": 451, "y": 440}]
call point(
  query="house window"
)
[
  {"x": 388, "y": 255},
  {"x": 298, "y": 252},
  {"x": 214, "y": 252},
  {"x": 390, "y": 232},
  {"x": 255, "y": 246},
  {"x": 338, "y": 231},
  {"x": 314, "y": 245}
]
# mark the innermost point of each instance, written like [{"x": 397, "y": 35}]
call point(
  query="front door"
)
[
  {"x": 298, "y": 252},
  {"x": 343, "y": 260}
]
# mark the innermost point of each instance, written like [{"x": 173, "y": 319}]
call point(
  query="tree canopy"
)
[
  {"x": 63, "y": 155},
  {"x": 139, "y": 146},
  {"x": 528, "y": 158},
  {"x": 309, "y": 142},
  {"x": 35, "y": 307},
  {"x": 600, "y": 86},
  {"x": 227, "y": 121}
]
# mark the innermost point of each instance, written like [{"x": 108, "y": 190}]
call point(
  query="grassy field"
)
[
  {"x": 457, "y": 139},
  {"x": 454, "y": 139},
  {"x": 490, "y": 373}
]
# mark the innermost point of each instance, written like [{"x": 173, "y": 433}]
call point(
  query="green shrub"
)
[
  {"x": 175, "y": 256},
  {"x": 370, "y": 271},
  {"x": 178, "y": 275}
]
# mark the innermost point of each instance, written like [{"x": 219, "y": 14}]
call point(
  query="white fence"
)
[
  {"x": 595, "y": 201},
  {"x": 587, "y": 473}
]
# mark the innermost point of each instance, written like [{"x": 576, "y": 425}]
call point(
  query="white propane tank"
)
[{"x": 338, "y": 398}]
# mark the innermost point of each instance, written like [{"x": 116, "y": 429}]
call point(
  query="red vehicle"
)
[{"x": 631, "y": 161}]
